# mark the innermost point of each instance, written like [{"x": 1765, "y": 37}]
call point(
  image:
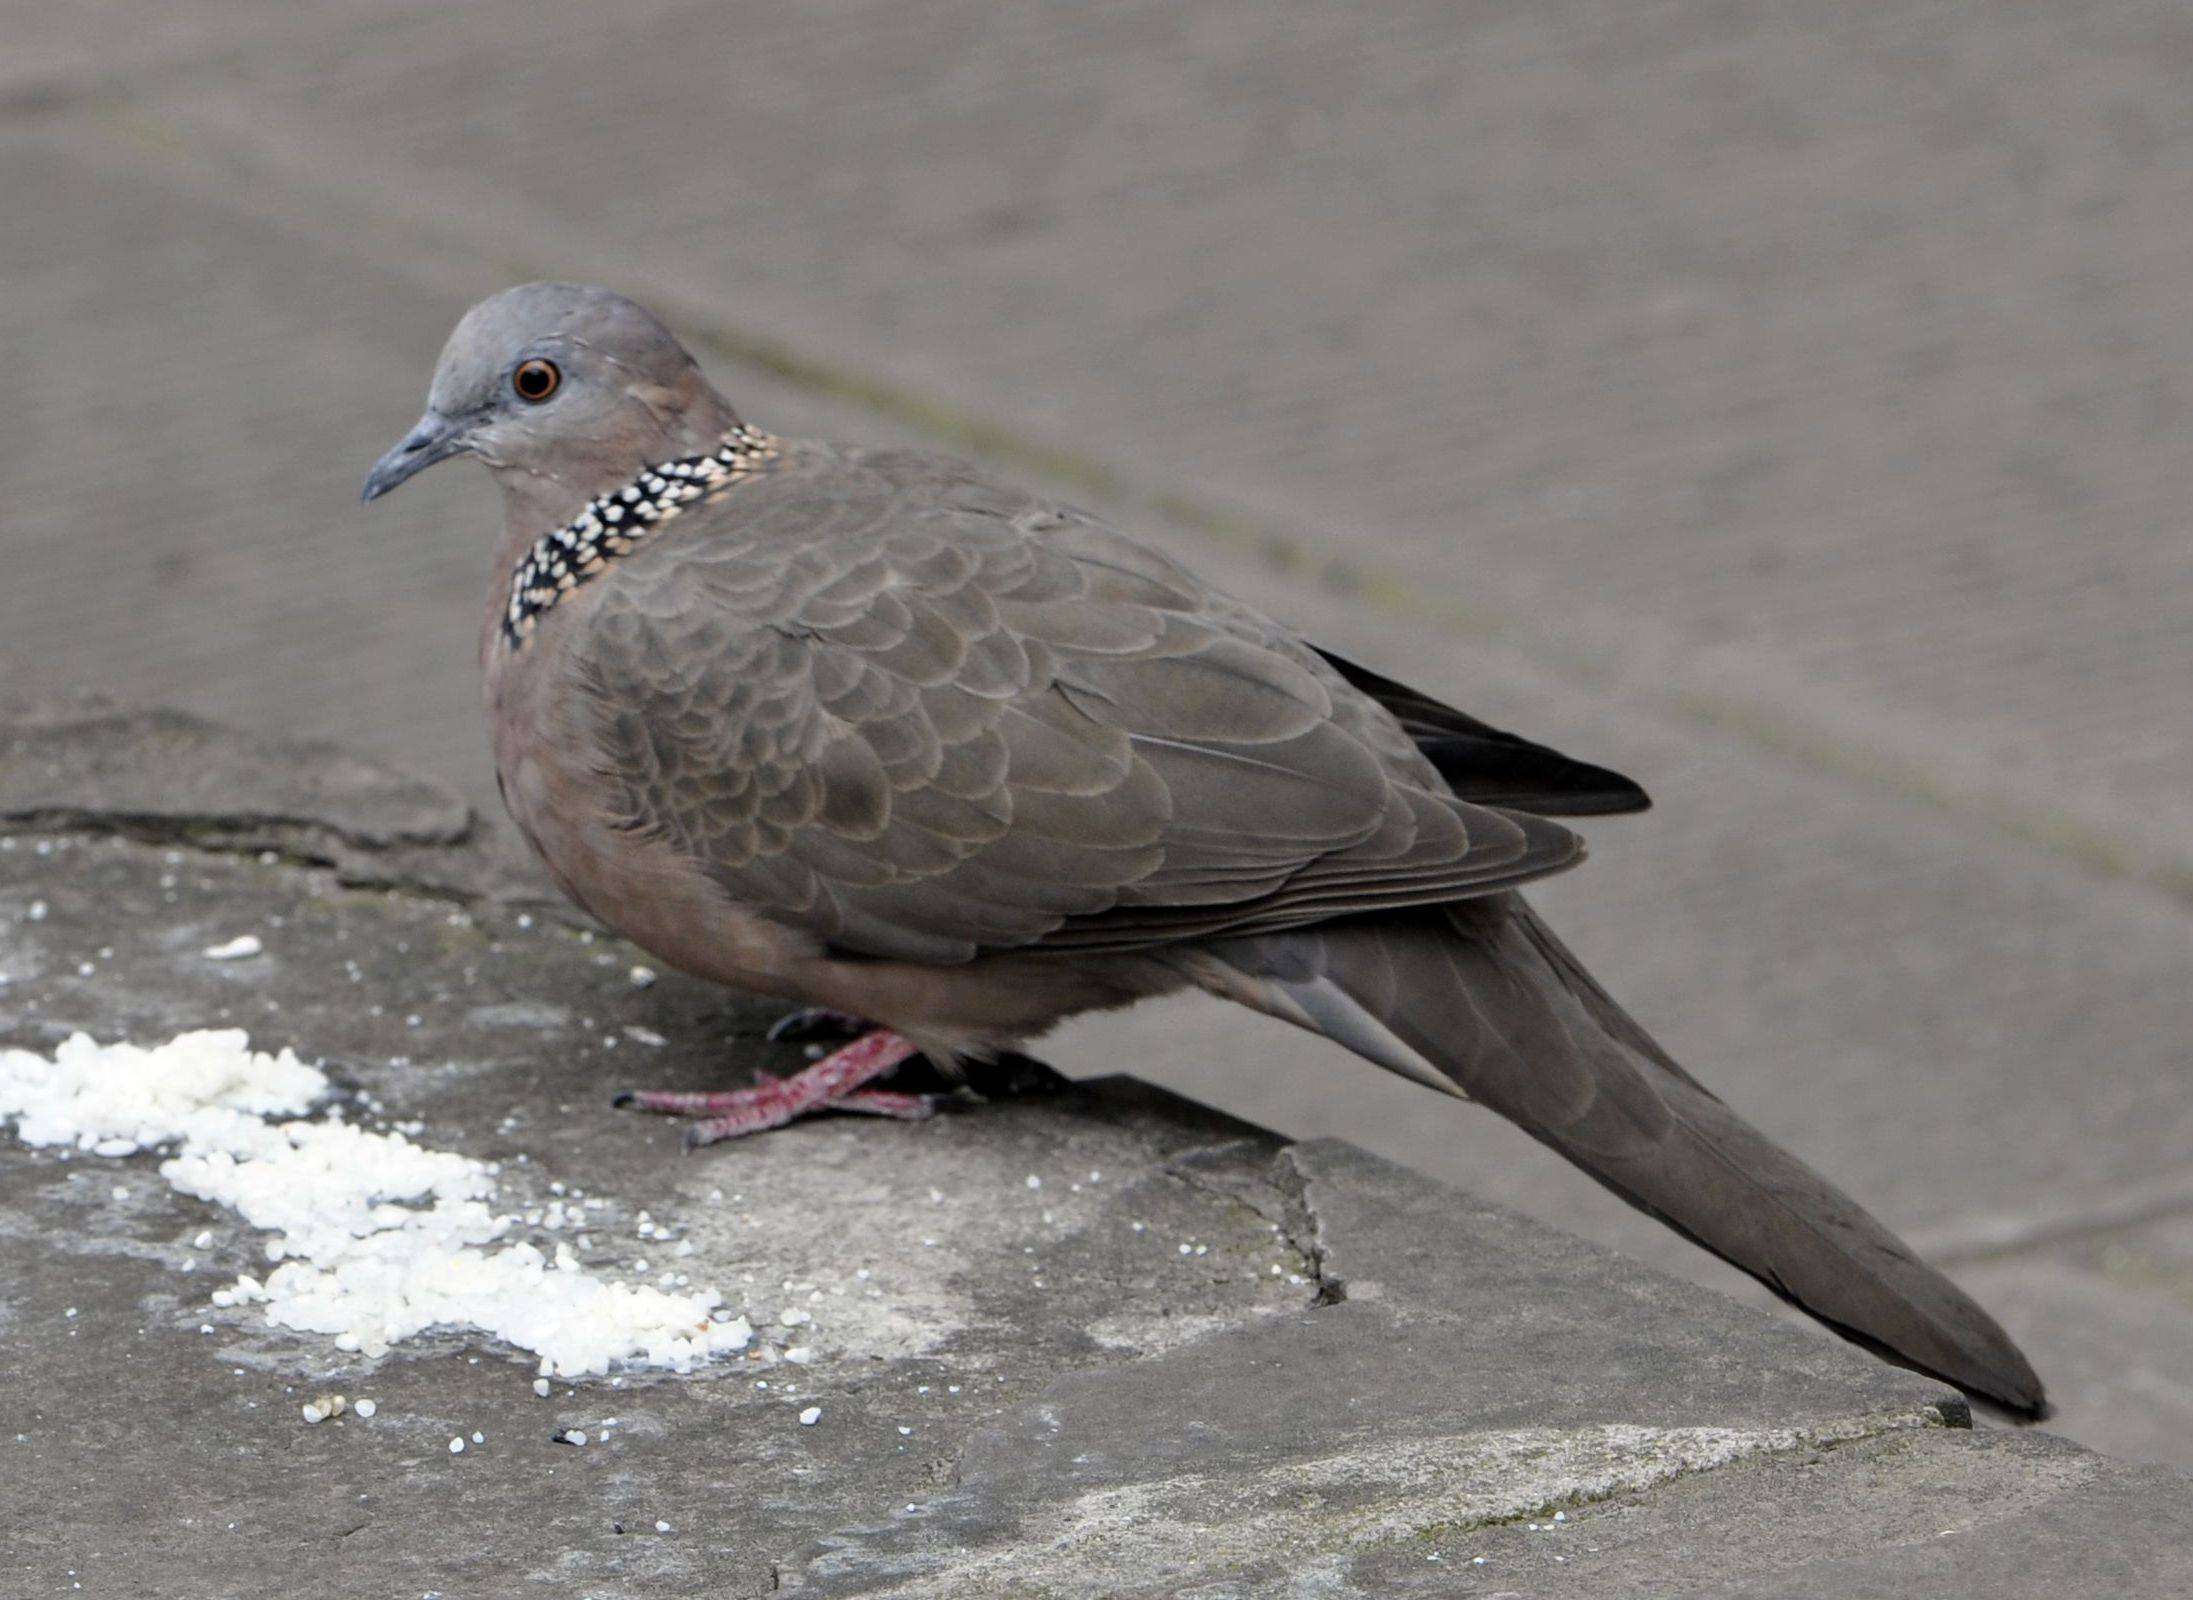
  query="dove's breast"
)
[{"x": 566, "y": 802}]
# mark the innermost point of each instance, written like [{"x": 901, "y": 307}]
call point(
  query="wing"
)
[{"x": 921, "y": 718}]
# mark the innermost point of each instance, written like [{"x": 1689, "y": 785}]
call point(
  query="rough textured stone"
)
[
  {"x": 1350, "y": 1380},
  {"x": 1468, "y": 1366},
  {"x": 1897, "y": 1514},
  {"x": 135, "y": 1439},
  {"x": 165, "y": 770},
  {"x": 167, "y": 775}
]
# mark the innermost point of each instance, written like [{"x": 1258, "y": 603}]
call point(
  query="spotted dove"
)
[{"x": 868, "y": 731}]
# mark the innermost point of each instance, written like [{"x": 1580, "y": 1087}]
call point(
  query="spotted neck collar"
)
[{"x": 615, "y": 522}]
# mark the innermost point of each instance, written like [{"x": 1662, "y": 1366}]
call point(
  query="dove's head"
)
[{"x": 561, "y": 391}]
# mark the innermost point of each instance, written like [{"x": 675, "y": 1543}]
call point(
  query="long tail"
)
[{"x": 1480, "y": 996}]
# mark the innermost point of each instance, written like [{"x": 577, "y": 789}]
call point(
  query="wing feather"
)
[{"x": 919, "y": 717}]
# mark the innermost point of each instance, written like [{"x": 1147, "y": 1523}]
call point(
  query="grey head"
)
[{"x": 561, "y": 390}]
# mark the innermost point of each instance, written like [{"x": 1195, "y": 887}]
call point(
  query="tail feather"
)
[{"x": 1484, "y": 993}]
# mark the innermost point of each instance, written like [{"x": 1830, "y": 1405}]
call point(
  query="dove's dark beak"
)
[{"x": 436, "y": 438}]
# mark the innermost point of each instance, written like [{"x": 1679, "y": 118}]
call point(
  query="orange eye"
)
[{"x": 535, "y": 380}]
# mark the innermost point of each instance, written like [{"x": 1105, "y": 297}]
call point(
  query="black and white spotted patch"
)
[{"x": 614, "y": 523}]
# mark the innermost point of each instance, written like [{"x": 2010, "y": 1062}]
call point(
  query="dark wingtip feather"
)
[
  {"x": 1516, "y": 775},
  {"x": 1488, "y": 766}
]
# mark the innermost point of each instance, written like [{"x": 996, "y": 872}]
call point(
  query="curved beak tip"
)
[{"x": 436, "y": 438}]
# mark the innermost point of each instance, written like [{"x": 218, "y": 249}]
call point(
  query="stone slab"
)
[
  {"x": 153, "y": 1442},
  {"x": 1967, "y": 1517},
  {"x": 168, "y": 771},
  {"x": 1349, "y": 1373}
]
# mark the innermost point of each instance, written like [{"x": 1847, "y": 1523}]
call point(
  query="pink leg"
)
[{"x": 834, "y": 1081}]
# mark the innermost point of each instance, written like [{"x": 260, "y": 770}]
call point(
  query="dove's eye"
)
[{"x": 535, "y": 380}]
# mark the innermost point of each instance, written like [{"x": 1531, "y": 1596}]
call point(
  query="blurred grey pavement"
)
[{"x": 1788, "y": 406}]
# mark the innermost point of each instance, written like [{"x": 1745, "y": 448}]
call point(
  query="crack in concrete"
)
[
  {"x": 1332, "y": 1289},
  {"x": 1289, "y": 1209},
  {"x": 215, "y": 835},
  {"x": 187, "y": 827}
]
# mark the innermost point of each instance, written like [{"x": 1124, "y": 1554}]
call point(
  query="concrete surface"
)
[
  {"x": 1024, "y": 1390},
  {"x": 1786, "y": 405}
]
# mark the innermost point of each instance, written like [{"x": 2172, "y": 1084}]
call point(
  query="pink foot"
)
[
  {"x": 888, "y": 1103},
  {"x": 834, "y": 1083}
]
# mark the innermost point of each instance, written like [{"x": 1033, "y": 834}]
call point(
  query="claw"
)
[
  {"x": 836, "y": 1082},
  {"x": 888, "y": 1103},
  {"x": 815, "y": 1022}
]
